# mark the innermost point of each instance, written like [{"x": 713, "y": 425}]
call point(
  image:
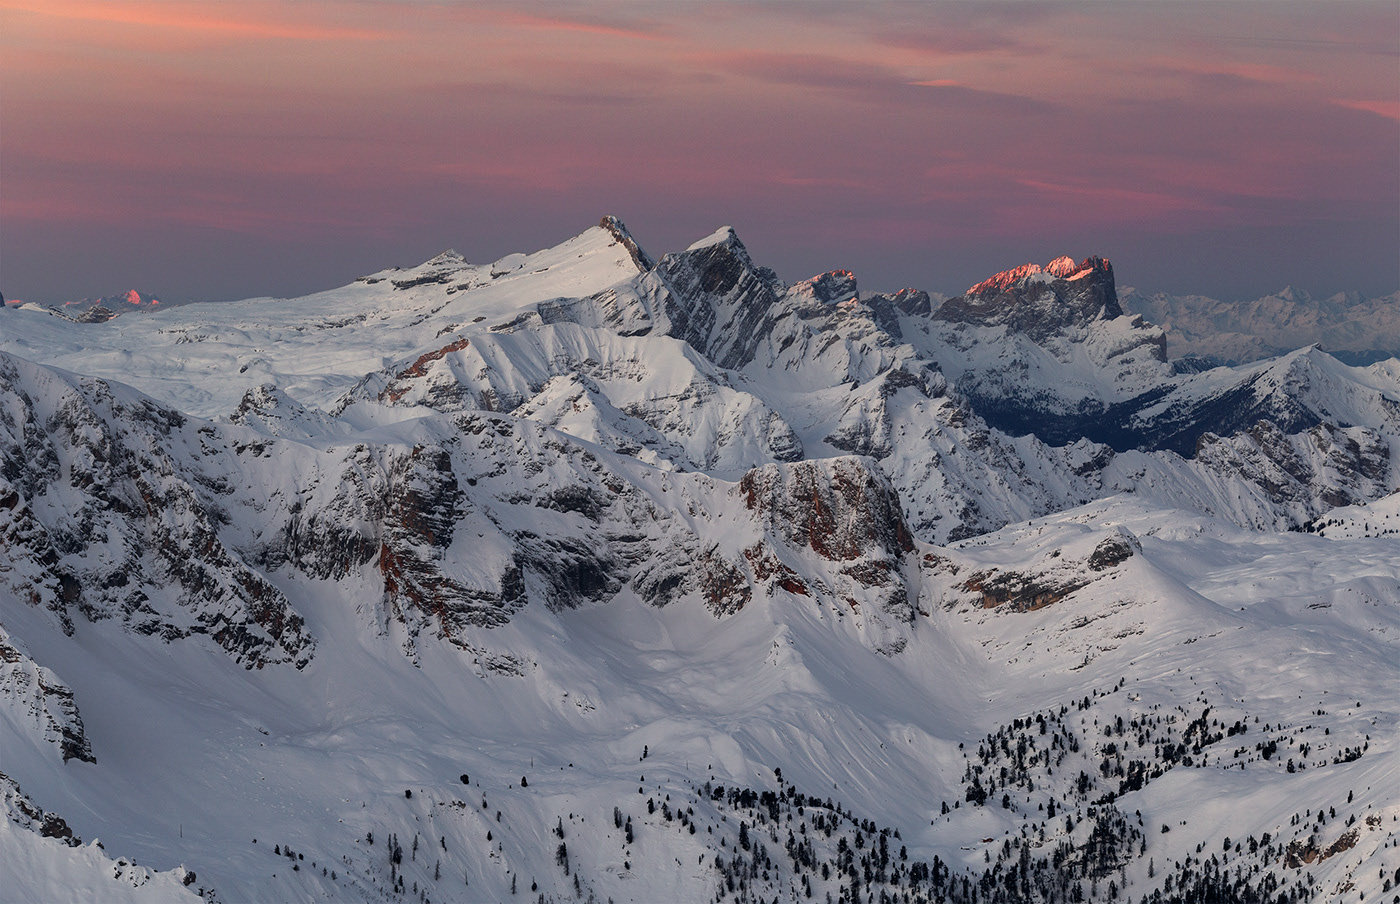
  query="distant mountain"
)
[
  {"x": 1353, "y": 328},
  {"x": 100, "y": 310},
  {"x": 591, "y": 575}
]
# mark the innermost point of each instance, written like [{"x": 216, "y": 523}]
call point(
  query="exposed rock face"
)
[
  {"x": 95, "y": 494},
  {"x": 833, "y": 287},
  {"x": 867, "y": 425},
  {"x": 843, "y": 511},
  {"x": 586, "y": 382},
  {"x": 1041, "y": 303},
  {"x": 37, "y": 698},
  {"x": 909, "y": 302},
  {"x": 422, "y": 507},
  {"x": 587, "y": 429},
  {"x": 624, "y": 238},
  {"x": 270, "y": 411},
  {"x": 26, "y": 814},
  {"x": 396, "y": 512},
  {"x": 33, "y": 572},
  {"x": 724, "y": 587},
  {"x": 1027, "y": 334},
  {"x": 96, "y": 314},
  {"x": 1305, "y": 473},
  {"x": 1296, "y": 392},
  {"x": 1020, "y": 592},
  {"x": 1111, "y": 552},
  {"x": 543, "y": 419},
  {"x": 1046, "y": 582},
  {"x": 840, "y": 508},
  {"x": 719, "y": 301},
  {"x": 1300, "y": 854}
]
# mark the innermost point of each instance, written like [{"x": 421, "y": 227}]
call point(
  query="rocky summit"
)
[{"x": 588, "y": 575}]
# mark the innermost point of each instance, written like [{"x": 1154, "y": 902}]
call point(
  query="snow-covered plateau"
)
[{"x": 587, "y": 576}]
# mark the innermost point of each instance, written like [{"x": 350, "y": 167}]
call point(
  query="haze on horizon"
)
[{"x": 227, "y": 150}]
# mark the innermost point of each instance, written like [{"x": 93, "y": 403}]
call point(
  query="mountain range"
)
[
  {"x": 1352, "y": 327},
  {"x": 1201, "y": 331},
  {"x": 588, "y": 575}
]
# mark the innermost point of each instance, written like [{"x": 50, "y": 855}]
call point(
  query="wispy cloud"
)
[
  {"x": 1134, "y": 202},
  {"x": 515, "y": 91},
  {"x": 312, "y": 124},
  {"x": 872, "y": 80},
  {"x": 1387, "y": 108},
  {"x": 204, "y": 18},
  {"x": 1262, "y": 73},
  {"x": 542, "y": 18},
  {"x": 956, "y": 42}
]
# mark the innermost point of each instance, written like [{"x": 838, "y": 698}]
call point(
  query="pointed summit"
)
[
  {"x": 718, "y": 298},
  {"x": 835, "y": 287},
  {"x": 619, "y": 232},
  {"x": 1293, "y": 294},
  {"x": 724, "y": 235}
]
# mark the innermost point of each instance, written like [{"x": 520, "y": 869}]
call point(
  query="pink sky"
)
[{"x": 222, "y": 149}]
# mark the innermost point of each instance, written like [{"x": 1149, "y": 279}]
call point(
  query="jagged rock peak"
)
[
  {"x": 1093, "y": 265},
  {"x": 1062, "y": 267},
  {"x": 260, "y": 398},
  {"x": 132, "y": 297},
  {"x": 1032, "y": 300},
  {"x": 1004, "y": 280},
  {"x": 129, "y": 298},
  {"x": 718, "y": 300},
  {"x": 725, "y": 261},
  {"x": 96, "y": 314},
  {"x": 450, "y": 257},
  {"x": 619, "y": 232},
  {"x": 265, "y": 401},
  {"x": 834, "y": 287}
]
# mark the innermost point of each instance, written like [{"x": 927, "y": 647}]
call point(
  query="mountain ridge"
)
[{"x": 595, "y": 574}]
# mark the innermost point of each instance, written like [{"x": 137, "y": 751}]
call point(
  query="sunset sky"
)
[{"x": 221, "y": 150}]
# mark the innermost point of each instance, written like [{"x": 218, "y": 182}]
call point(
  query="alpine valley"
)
[{"x": 588, "y": 576}]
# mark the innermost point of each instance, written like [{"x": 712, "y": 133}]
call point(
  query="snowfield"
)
[{"x": 583, "y": 575}]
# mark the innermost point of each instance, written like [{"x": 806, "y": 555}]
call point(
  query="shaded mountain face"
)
[
  {"x": 1050, "y": 352},
  {"x": 649, "y": 553}
]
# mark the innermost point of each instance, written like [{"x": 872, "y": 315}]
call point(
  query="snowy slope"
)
[
  {"x": 587, "y": 574},
  {"x": 201, "y": 358}
]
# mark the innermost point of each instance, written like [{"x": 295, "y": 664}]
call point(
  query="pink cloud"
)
[
  {"x": 323, "y": 122},
  {"x": 1242, "y": 70},
  {"x": 1129, "y": 202},
  {"x": 574, "y": 25},
  {"x": 1386, "y": 108},
  {"x": 198, "y": 18}
]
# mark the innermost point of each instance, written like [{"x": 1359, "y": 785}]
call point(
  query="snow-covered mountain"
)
[
  {"x": 100, "y": 310},
  {"x": 585, "y": 574},
  {"x": 1354, "y": 327}
]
